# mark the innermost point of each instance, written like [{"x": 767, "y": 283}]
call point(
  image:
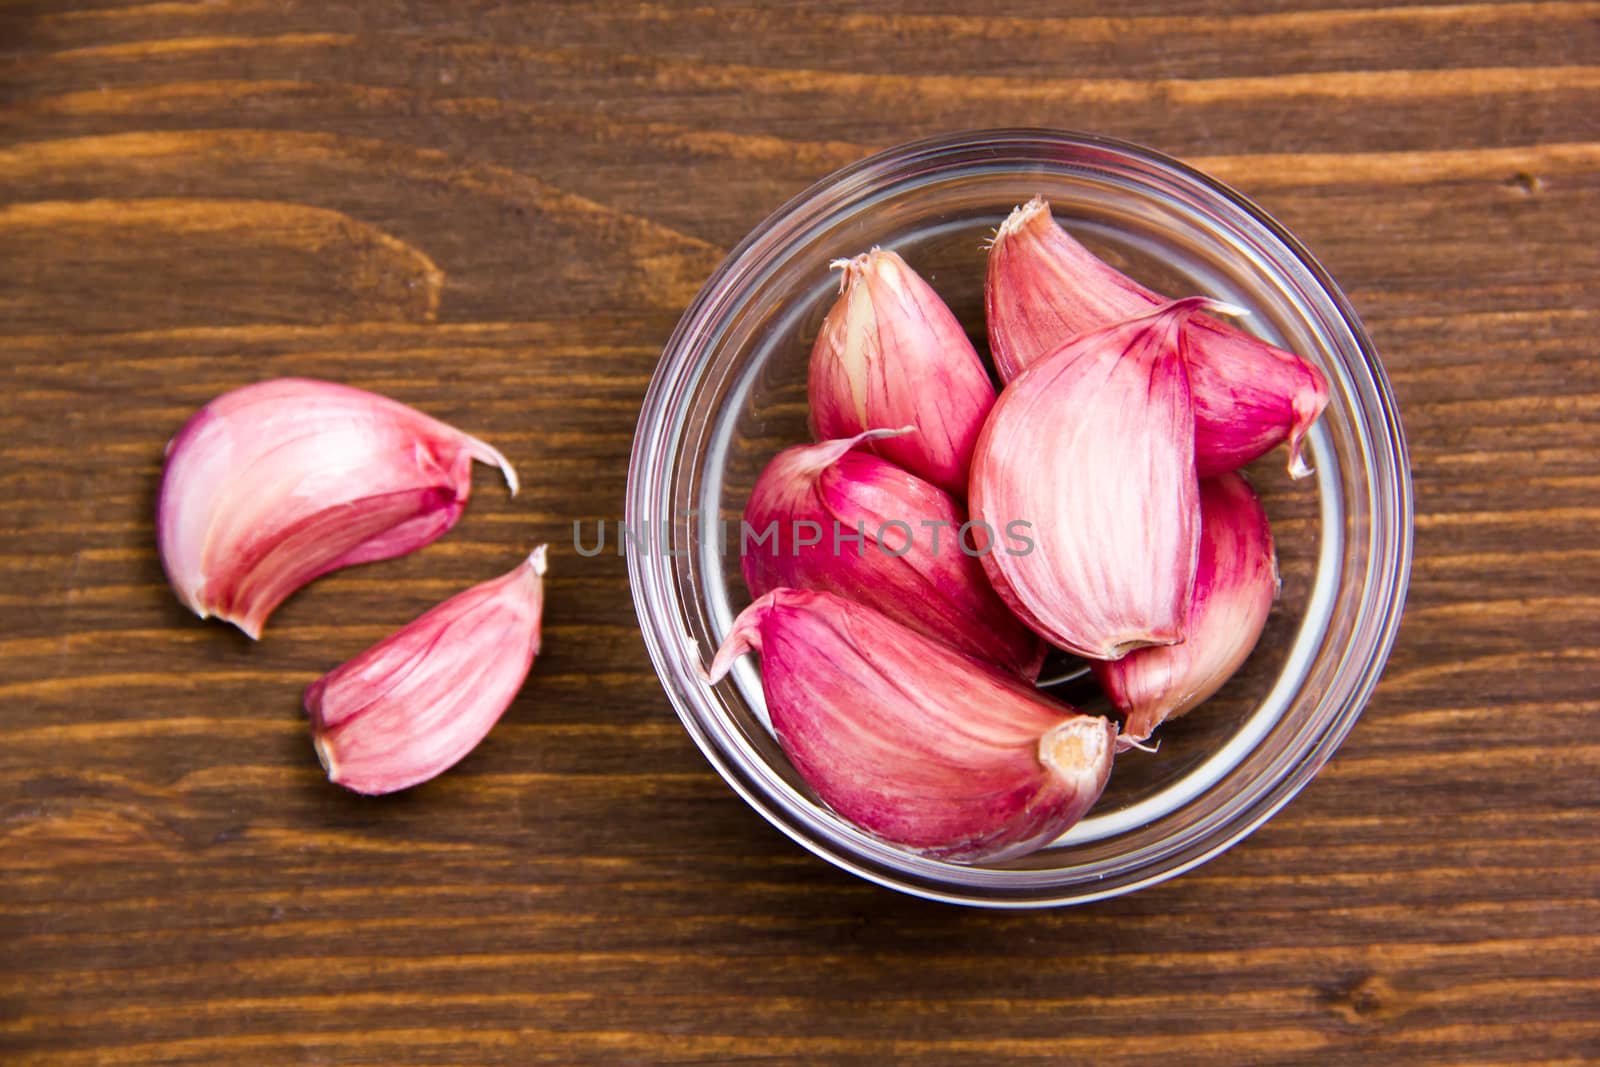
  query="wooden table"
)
[{"x": 497, "y": 212}]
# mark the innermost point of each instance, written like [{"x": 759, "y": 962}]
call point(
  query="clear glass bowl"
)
[{"x": 730, "y": 392}]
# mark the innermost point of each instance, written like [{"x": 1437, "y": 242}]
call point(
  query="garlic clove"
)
[
  {"x": 1249, "y": 397},
  {"x": 890, "y": 353},
  {"x": 273, "y": 484},
  {"x": 411, "y": 706},
  {"x": 914, "y": 742},
  {"x": 1235, "y": 583},
  {"x": 831, "y": 518},
  {"x": 1093, "y": 447},
  {"x": 1044, "y": 288}
]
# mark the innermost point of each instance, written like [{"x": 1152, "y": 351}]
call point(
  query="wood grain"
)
[{"x": 496, "y": 212}]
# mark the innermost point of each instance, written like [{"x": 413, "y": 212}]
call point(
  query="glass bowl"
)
[{"x": 730, "y": 392}]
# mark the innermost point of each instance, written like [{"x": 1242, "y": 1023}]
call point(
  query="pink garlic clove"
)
[
  {"x": 890, "y": 353},
  {"x": 411, "y": 706},
  {"x": 912, "y": 741},
  {"x": 1093, "y": 446},
  {"x": 1044, "y": 288},
  {"x": 274, "y": 484},
  {"x": 1235, "y": 584},
  {"x": 828, "y": 518}
]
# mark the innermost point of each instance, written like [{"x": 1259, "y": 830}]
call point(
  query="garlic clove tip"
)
[{"x": 484, "y": 452}]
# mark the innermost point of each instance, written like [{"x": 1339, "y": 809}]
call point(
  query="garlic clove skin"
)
[
  {"x": 884, "y": 538},
  {"x": 274, "y": 484},
  {"x": 1044, "y": 288},
  {"x": 1235, "y": 583},
  {"x": 414, "y": 704},
  {"x": 890, "y": 353},
  {"x": 1093, "y": 446},
  {"x": 914, "y": 742}
]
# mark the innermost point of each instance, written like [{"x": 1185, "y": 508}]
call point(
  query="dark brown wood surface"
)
[{"x": 496, "y": 211}]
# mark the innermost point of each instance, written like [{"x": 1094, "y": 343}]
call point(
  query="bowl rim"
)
[{"x": 672, "y": 375}]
